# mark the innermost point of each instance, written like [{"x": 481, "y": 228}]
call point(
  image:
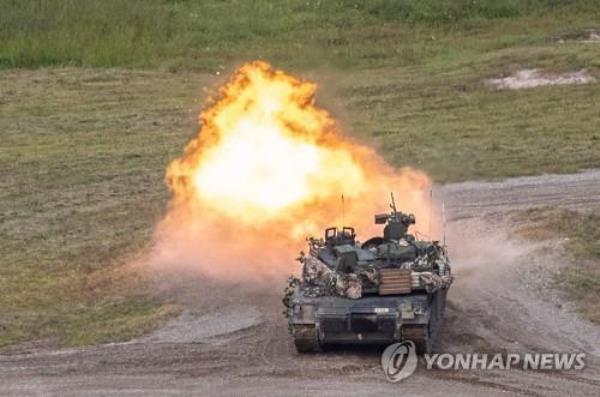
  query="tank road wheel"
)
[
  {"x": 306, "y": 339},
  {"x": 419, "y": 334}
]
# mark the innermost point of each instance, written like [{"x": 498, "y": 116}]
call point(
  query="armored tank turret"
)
[{"x": 388, "y": 289}]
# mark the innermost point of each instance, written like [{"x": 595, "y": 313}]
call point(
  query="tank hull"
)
[{"x": 318, "y": 321}]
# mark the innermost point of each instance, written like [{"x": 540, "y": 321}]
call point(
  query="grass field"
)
[
  {"x": 82, "y": 160},
  {"x": 581, "y": 280},
  {"x": 97, "y": 97},
  {"x": 207, "y": 35}
]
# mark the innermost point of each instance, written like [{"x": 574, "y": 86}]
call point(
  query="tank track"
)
[
  {"x": 306, "y": 339},
  {"x": 420, "y": 336},
  {"x": 423, "y": 335}
]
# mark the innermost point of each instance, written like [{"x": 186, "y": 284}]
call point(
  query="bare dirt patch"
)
[
  {"x": 591, "y": 36},
  {"x": 531, "y": 78},
  {"x": 581, "y": 36}
]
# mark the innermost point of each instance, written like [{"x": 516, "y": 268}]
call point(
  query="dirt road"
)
[{"x": 233, "y": 341}]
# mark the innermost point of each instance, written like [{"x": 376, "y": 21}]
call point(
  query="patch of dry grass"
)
[
  {"x": 581, "y": 279},
  {"x": 82, "y": 160}
]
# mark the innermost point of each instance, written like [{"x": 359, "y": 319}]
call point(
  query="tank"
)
[{"x": 387, "y": 289}]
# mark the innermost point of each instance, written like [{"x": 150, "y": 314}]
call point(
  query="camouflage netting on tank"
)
[
  {"x": 293, "y": 282},
  {"x": 434, "y": 256},
  {"x": 434, "y": 282},
  {"x": 320, "y": 280},
  {"x": 435, "y": 259}
]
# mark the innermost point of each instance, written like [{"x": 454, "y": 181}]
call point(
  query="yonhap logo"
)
[{"x": 399, "y": 361}]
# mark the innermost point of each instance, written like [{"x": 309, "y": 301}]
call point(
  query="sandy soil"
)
[
  {"x": 531, "y": 78},
  {"x": 232, "y": 341}
]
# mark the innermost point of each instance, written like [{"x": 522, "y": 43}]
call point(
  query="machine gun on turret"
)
[{"x": 397, "y": 222}]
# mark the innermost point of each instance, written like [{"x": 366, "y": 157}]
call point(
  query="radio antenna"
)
[
  {"x": 343, "y": 211},
  {"x": 444, "y": 219},
  {"x": 430, "y": 209}
]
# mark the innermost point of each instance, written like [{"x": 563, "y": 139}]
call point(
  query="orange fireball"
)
[{"x": 267, "y": 168}]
